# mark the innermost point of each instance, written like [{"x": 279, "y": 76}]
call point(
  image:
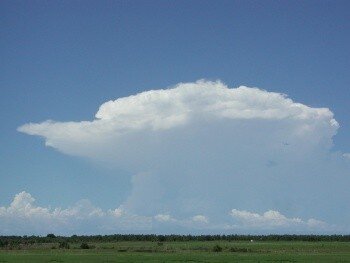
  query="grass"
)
[{"x": 194, "y": 251}]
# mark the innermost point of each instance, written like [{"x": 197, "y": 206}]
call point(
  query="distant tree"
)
[
  {"x": 161, "y": 238},
  {"x": 51, "y": 236},
  {"x": 3, "y": 243},
  {"x": 84, "y": 246}
]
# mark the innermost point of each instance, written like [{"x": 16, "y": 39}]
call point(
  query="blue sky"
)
[{"x": 63, "y": 60}]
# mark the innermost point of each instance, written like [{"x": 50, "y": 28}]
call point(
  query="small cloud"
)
[
  {"x": 200, "y": 219},
  {"x": 163, "y": 218},
  {"x": 314, "y": 223},
  {"x": 118, "y": 212}
]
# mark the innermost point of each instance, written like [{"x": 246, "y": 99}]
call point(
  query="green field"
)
[{"x": 191, "y": 251}]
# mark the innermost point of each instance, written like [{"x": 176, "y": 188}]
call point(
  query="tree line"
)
[{"x": 51, "y": 238}]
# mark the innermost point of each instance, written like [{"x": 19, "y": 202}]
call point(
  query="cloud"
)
[
  {"x": 202, "y": 148},
  {"x": 118, "y": 212},
  {"x": 164, "y": 218},
  {"x": 346, "y": 156},
  {"x": 200, "y": 219},
  {"x": 22, "y": 216},
  {"x": 314, "y": 223},
  {"x": 273, "y": 219},
  {"x": 22, "y": 207},
  {"x": 183, "y": 105}
]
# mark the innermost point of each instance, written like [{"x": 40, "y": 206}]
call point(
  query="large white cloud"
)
[
  {"x": 202, "y": 148},
  {"x": 184, "y": 105}
]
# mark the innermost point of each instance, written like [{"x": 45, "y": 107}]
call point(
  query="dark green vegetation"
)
[
  {"x": 166, "y": 249},
  {"x": 50, "y": 238}
]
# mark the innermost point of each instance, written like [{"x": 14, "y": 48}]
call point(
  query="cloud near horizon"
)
[
  {"x": 272, "y": 219},
  {"x": 24, "y": 217},
  {"x": 200, "y": 149}
]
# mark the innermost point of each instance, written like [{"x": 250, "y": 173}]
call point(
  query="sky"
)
[{"x": 174, "y": 117}]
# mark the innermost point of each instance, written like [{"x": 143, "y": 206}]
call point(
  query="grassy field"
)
[{"x": 194, "y": 251}]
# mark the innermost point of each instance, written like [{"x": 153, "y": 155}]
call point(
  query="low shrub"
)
[
  {"x": 63, "y": 245},
  {"x": 217, "y": 248},
  {"x": 240, "y": 249}
]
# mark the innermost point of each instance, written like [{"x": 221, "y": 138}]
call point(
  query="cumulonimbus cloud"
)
[
  {"x": 186, "y": 104},
  {"x": 202, "y": 148}
]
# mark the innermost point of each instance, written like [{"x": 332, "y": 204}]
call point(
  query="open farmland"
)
[{"x": 183, "y": 251}]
